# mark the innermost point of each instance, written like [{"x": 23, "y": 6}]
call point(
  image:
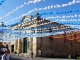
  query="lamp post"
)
[
  {"x": 2, "y": 24},
  {"x": 41, "y": 42},
  {"x": 2, "y": 30}
]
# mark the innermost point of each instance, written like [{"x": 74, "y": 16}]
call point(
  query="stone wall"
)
[{"x": 59, "y": 48}]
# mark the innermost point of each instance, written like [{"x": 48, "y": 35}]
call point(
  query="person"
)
[
  {"x": 78, "y": 54},
  {"x": 5, "y": 56},
  {"x": 69, "y": 57},
  {"x": 39, "y": 52},
  {"x": 32, "y": 54}
]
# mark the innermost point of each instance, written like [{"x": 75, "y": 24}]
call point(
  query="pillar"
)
[
  {"x": 22, "y": 45},
  {"x": 18, "y": 51},
  {"x": 15, "y": 46},
  {"x": 34, "y": 46}
]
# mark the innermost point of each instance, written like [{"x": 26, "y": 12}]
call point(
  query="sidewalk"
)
[{"x": 37, "y": 58}]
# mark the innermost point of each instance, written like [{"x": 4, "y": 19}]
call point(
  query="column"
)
[
  {"x": 22, "y": 45},
  {"x": 34, "y": 46},
  {"x": 15, "y": 46},
  {"x": 18, "y": 46}
]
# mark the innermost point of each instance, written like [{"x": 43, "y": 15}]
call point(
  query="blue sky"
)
[{"x": 9, "y": 5}]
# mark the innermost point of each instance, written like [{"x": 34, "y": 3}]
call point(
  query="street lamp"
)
[
  {"x": 41, "y": 42},
  {"x": 2, "y": 30},
  {"x": 2, "y": 24}
]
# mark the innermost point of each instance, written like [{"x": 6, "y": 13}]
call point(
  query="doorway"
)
[
  {"x": 12, "y": 48},
  {"x": 25, "y": 43}
]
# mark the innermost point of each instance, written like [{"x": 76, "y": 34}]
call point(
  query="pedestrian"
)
[
  {"x": 69, "y": 57},
  {"x": 39, "y": 52},
  {"x": 6, "y": 56},
  {"x": 32, "y": 54}
]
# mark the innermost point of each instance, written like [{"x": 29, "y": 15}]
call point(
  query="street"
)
[
  {"x": 37, "y": 58},
  {"x": 15, "y": 57}
]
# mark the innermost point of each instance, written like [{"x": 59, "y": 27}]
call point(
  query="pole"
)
[{"x": 41, "y": 42}]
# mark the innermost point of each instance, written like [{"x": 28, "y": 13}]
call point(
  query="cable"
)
[{"x": 6, "y": 10}]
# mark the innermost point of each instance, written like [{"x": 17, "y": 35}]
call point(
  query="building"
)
[
  {"x": 65, "y": 45},
  {"x": 1, "y": 31},
  {"x": 1, "y": 45},
  {"x": 49, "y": 46}
]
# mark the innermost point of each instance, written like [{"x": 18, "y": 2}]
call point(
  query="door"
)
[
  {"x": 12, "y": 48},
  {"x": 25, "y": 43}
]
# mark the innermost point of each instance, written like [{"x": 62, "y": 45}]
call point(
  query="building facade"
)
[
  {"x": 1, "y": 45},
  {"x": 49, "y": 46}
]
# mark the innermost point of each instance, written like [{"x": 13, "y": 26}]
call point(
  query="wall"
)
[
  {"x": 1, "y": 45},
  {"x": 58, "y": 47}
]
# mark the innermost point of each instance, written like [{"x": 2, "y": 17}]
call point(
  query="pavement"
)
[
  {"x": 38, "y": 58},
  {"x": 14, "y": 57}
]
